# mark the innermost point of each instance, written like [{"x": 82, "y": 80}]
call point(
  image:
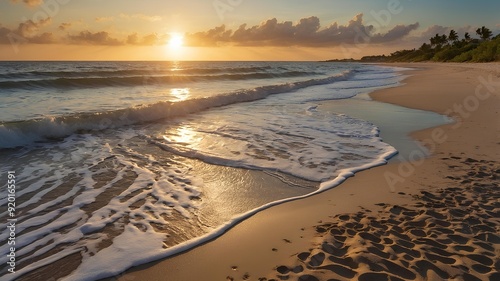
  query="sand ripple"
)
[{"x": 450, "y": 233}]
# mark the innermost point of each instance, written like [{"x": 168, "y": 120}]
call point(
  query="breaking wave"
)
[{"x": 21, "y": 133}]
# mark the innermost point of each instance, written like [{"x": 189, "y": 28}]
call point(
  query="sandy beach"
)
[
  {"x": 249, "y": 140},
  {"x": 426, "y": 219}
]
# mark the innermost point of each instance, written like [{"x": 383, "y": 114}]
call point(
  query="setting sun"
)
[{"x": 176, "y": 41}]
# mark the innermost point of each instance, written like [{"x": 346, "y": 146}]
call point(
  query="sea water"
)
[{"x": 122, "y": 163}]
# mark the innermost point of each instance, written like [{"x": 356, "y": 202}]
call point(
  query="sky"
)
[{"x": 230, "y": 29}]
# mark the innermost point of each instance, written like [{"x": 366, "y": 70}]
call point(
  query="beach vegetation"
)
[
  {"x": 453, "y": 37},
  {"x": 449, "y": 48},
  {"x": 484, "y": 33}
]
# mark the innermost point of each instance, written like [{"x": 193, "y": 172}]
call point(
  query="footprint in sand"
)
[
  {"x": 373, "y": 276},
  {"x": 340, "y": 270},
  {"x": 480, "y": 268},
  {"x": 482, "y": 259},
  {"x": 283, "y": 269},
  {"x": 303, "y": 256},
  {"x": 419, "y": 242},
  {"x": 298, "y": 269},
  {"x": 317, "y": 259},
  {"x": 308, "y": 278},
  {"x": 422, "y": 266}
]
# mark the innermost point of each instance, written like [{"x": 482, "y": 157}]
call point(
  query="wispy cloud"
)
[
  {"x": 397, "y": 32},
  {"x": 29, "y": 27},
  {"x": 105, "y": 38},
  {"x": 64, "y": 26},
  {"x": 6, "y": 35},
  {"x": 94, "y": 38},
  {"x": 306, "y": 32},
  {"x": 29, "y": 3},
  {"x": 141, "y": 17},
  {"x": 26, "y": 32},
  {"x": 104, "y": 19},
  {"x": 44, "y": 38},
  {"x": 146, "y": 40}
]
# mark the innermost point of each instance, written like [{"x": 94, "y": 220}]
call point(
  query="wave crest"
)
[
  {"x": 137, "y": 79},
  {"x": 21, "y": 133}
]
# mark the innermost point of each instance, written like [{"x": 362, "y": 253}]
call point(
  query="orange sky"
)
[
  {"x": 228, "y": 30},
  {"x": 72, "y": 52}
]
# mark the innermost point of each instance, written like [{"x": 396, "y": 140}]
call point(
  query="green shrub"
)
[
  {"x": 446, "y": 54},
  {"x": 487, "y": 51},
  {"x": 463, "y": 57}
]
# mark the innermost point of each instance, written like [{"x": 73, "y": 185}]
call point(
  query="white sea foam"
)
[
  {"x": 69, "y": 226},
  {"x": 113, "y": 191},
  {"x": 314, "y": 147}
]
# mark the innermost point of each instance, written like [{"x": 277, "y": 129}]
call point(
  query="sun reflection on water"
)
[
  {"x": 176, "y": 66},
  {"x": 184, "y": 135},
  {"x": 180, "y": 94}
]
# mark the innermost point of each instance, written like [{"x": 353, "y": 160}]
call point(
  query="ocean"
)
[{"x": 121, "y": 163}]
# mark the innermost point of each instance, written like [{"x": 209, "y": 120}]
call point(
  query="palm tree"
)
[
  {"x": 443, "y": 39},
  {"x": 453, "y": 37},
  {"x": 467, "y": 37},
  {"x": 484, "y": 33},
  {"x": 438, "y": 40}
]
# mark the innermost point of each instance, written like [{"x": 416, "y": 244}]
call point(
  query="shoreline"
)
[
  {"x": 260, "y": 179},
  {"x": 295, "y": 221}
]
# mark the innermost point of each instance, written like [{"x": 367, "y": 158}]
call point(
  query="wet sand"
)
[{"x": 432, "y": 218}]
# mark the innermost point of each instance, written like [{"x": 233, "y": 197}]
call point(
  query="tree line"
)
[{"x": 449, "y": 48}]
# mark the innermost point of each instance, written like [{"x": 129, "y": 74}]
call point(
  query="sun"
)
[
  {"x": 176, "y": 41},
  {"x": 175, "y": 48}
]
